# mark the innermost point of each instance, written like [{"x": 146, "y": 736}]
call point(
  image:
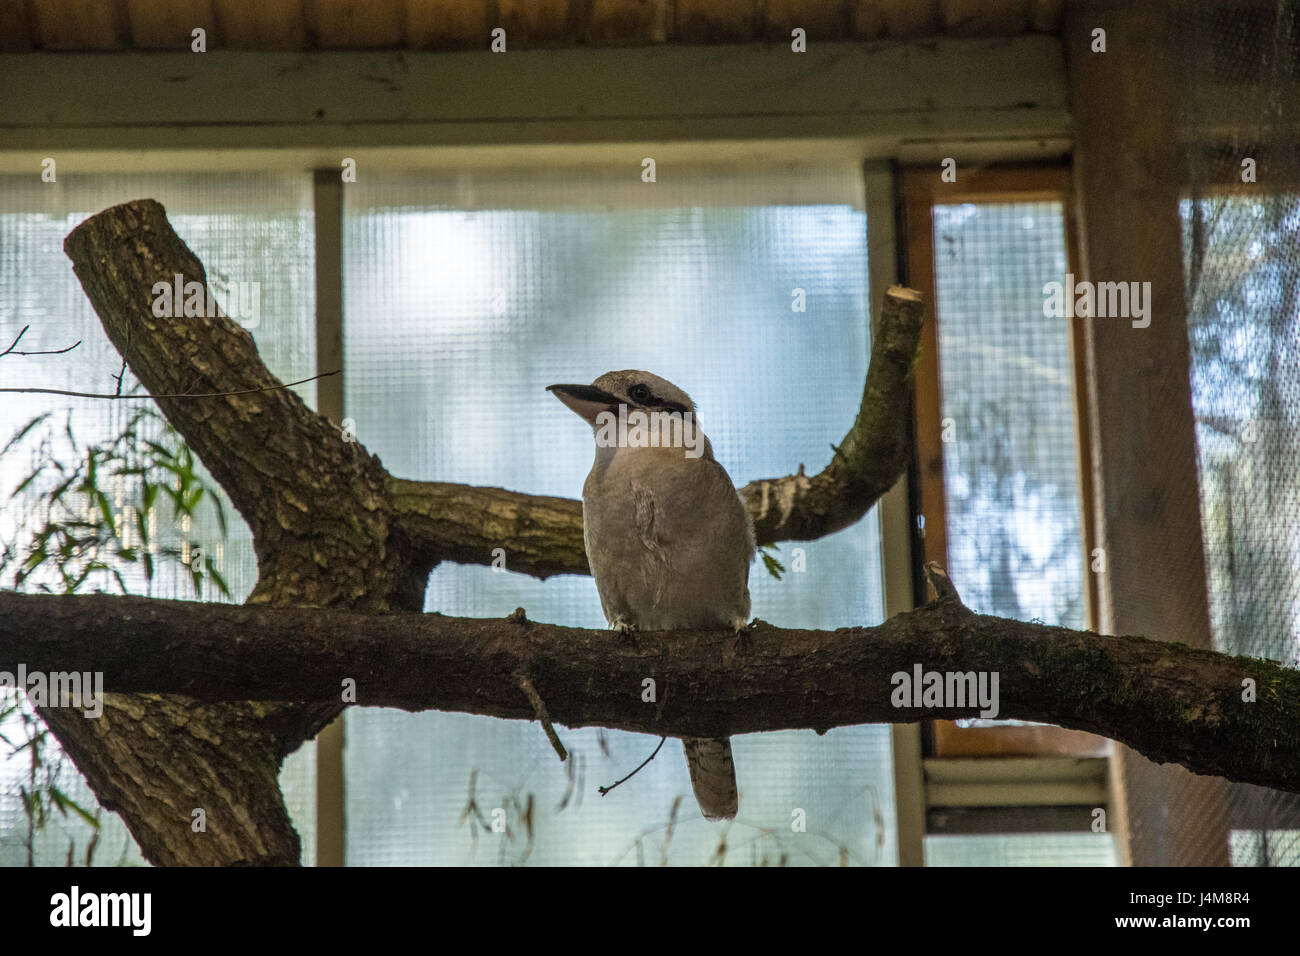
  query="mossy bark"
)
[{"x": 1169, "y": 701}]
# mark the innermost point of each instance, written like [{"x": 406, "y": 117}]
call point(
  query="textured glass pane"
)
[
  {"x": 1022, "y": 849},
  {"x": 245, "y": 228},
  {"x": 1010, "y": 469},
  {"x": 466, "y": 295}
]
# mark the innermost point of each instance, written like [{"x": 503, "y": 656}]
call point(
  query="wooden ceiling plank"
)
[
  {"x": 168, "y": 24},
  {"x": 353, "y": 25},
  {"x": 628, "y": 22},
  {"x": 534, "y": 23},
  {"x": 17, "y": 34},
  {"x": 905, "y": 19},
  {"x": 715, "y": 21},
  {"x": 259, "y": 25},
  {"x": 1047, "y": 16},
  {"x": 80, "y": 24},
  {"x": 985, "y": 17},
  {"x": 447, "y": 25},
  {"x": 866, "y": 20},
  {"x": 818, "y": 19}
]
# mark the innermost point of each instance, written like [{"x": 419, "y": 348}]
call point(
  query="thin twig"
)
[
  {"x": 245, "y": 391},
  {"x": 604, "y": 790},
  {"x": 539, "y": 708},
  {"x": 14, "y": 344},
  {"x": 121, "y": 374}
]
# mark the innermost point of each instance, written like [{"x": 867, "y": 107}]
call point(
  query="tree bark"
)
[
  {"x": 1169, "y": 701},
  {"x": 332, "y": 529}
]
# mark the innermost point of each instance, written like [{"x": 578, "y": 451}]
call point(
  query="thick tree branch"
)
[
  {"x": 542, "y": 536},
  {"x": 1169, "y": 701},
  {"x": 322, "y": 532},
  {"x": 309, "y": 496}
]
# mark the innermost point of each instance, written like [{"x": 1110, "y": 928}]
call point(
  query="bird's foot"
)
[
  {"x": 744, "y": 640},
  {"x": 625, "y": 630}
]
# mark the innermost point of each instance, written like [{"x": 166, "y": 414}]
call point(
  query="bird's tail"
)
[{"x": 713, "y": 776}]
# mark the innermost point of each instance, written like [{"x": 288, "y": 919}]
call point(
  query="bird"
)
[{"x": 668, "y": 538}]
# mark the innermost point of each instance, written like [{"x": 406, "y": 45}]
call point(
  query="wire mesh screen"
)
[
  {"x": 1241, "y": 242},
  {"x": 1234, "y": 70},
  {"x": 1010, "y": 463}
]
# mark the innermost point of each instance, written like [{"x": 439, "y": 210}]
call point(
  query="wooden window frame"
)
[{"x": 922, "y": 189}]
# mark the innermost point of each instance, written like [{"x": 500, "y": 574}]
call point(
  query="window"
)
[
  {"x": 250, "y": 228},
  {"x": 466, "y": 295}
]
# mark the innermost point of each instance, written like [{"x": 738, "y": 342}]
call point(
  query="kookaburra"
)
[{"x": 668, "y": 539}]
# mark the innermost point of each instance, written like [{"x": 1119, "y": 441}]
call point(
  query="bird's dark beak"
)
[{"x": 587, "y": 400}]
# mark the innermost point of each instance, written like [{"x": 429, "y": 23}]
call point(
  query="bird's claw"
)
[
  {"x": 625, "y": 631},
  {"x": 744, "y": 640}
]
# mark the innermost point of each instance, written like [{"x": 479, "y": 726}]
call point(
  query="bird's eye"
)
[{"x": 639, "y": 393}]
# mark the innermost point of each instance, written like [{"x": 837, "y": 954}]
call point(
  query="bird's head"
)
[
  {"x": 630, "y": 387},
  {"x": 635, "y": 409}
]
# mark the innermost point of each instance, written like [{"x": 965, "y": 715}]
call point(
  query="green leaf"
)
[
  {"x": 106, "y": 511},
  {"x": 148, "y": 495},
  {"x": 774, "y": 567},
  {"x": 25, "y": 482},
  {"x": 221, "y": 512},
  {"x": 217, "y": 579},
  {"x": 66, "y": 803},
  {"x": 22, "y": 432}
]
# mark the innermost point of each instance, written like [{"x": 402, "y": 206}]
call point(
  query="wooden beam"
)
[
  {"x": 327, "y": 195},
  {"x": 1144, "y": 452},
  {"x": 976, "y": 90}
]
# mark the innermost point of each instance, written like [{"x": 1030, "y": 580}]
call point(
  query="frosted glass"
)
[
  {"x": 244, "y": 227},
  {"x": 1022, "y": 849},
  {"x": 465, "y": 296}
]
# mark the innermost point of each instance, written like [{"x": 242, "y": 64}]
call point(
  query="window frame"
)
[{"x": 922, "y": 189}]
